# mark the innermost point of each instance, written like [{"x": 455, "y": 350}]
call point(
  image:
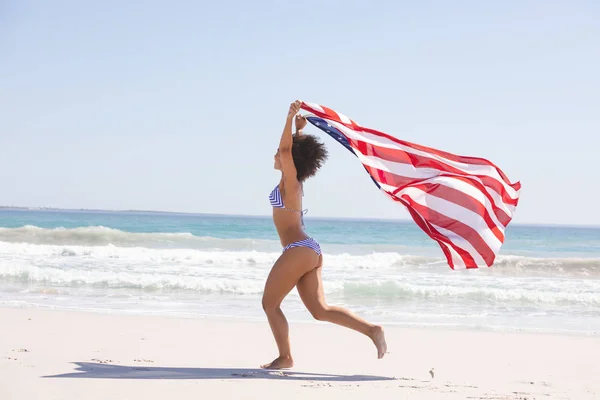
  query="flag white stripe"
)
[
  {"x": 409, "y": 171},
  {"x": 344, "y": 119},
  {"x": 468, "y": 190},
  {"x": 456, "y": 258},
  {"x": 460, "y": 195},
  {"x": 401, "y": 169},
  {"x": 473, "y": 192},
  {"x": 462, "y": 243},
  {"x": 316, "y": 107},
  {"x": 454, "y": 211},
  {"x": 471, "y": 169}
]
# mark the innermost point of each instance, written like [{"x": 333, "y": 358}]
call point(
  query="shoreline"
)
[
  {"x": 303, "y": 321},
  {"x": 47, "y": 354}
]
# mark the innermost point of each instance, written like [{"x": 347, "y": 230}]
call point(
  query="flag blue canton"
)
[
  {"x": 337, "y": 135},
  {"x": 331, "y": 131}
]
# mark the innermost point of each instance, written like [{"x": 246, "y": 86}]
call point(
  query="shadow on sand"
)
[{"x": 110, "y": 371}]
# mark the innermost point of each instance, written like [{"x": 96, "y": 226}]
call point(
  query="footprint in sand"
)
[
  {"x": 244, "y": 375},
  {"x": 102, "y": 361},
  {"x": 21, "y": 351}
]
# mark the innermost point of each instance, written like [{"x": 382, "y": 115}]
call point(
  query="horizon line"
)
[{"x": 378, "y": 219}]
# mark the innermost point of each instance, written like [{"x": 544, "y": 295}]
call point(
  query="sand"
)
[{"x": 53, "y": 354}]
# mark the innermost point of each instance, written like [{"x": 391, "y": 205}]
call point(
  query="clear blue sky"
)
[{"x": 178, "y": 106}]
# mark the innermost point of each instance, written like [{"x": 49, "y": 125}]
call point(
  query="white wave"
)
[
  {"x": 109, "y": 254},
  {"x": 535, "y": 266},
  {"x": 230, "y": 283},
  {"x": 250, "y": 281},
  {"x": 102, "y": 242},
  {"x": 102, "y": 236},
  {"x": 510, "y": 293},
  {"x": 74, "y": 254},
  {"x": 379, "y": 276}
]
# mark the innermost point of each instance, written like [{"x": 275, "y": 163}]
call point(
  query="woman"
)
[{"x": 298, "y": 158}]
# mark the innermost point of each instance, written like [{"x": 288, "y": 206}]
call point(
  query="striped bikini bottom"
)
[{"x": 308, "y": 242}]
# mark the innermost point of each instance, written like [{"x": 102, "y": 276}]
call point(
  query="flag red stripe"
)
[
  {"x": 463, "y": 159},
  {"x": 332, "y": 115},
  {"x": 457, "y": 197},
  {"x": 453, "y": 195},
  {"x": 401, "y": 182},
  {"x": 451, "y": 199},
  {"x": 419, "y": 161},
  {"x": 502, "y": 217},
  {"x": 433, "y": 233},
  {"x": 461, "y": 229}
]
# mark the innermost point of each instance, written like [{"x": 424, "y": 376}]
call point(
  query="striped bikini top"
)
[{"x": 277, "y": 201}]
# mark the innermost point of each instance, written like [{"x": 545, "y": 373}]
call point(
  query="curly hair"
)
[{"x": 309, "y": 154}]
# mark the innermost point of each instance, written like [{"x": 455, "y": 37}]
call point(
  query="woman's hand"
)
[
  {"x": 294, "y": 108},
  {"x": 300, "y": 122}
]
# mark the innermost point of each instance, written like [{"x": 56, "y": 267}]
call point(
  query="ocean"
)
[{"x": 546, "y": 279}]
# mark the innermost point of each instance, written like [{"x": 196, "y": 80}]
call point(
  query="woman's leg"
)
[
  {"x": 284, "y": 275},
  {"x": 310, "y": 288}
]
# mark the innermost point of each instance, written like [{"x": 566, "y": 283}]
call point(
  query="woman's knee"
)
[
  {"x": 320, "y": 312},
  {"x": 269, "y": 305}
]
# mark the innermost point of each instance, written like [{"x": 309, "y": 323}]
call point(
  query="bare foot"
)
[
  {"x": 279, "y": 363},
  {"x": 378, "y": 338}
]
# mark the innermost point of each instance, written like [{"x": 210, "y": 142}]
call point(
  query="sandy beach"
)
[{"x": 49, "y": 354}]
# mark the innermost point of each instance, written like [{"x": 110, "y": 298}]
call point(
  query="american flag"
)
[{"x": 463, "y": 203}]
